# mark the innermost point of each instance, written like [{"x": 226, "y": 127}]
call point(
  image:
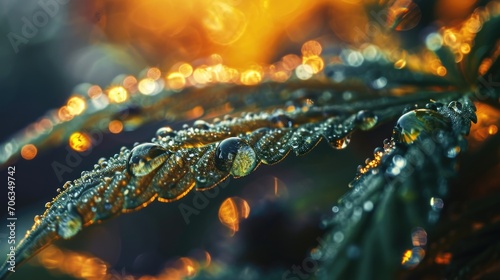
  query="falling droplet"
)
[
  {"x": 341, "y": 143},
  {"x": 236, "y": 156},
  {"x": 412, "y": 124},
  {"x": 145, "y": 158},
  {"x": 366, "y": 119},
  {"x": 70, "y": 223}
]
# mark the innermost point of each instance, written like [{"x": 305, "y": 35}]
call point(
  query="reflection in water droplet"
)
[
  {"x": 236, "y": 156},
  {"x": 411, "y": 124},
  {"x": 436, "y": 203},
  {"x": 145, "y": 158},
  {"x": 341, "y": 143},
  {"x": 282, "y": 121},
  {"x": 70, "y": 223},
  {"x": 366, "y": 119}
]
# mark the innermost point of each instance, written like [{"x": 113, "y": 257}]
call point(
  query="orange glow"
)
[
  {"x": 130, "y": 83},
  {"x": 28, "y": 152},
  {"x": 443, "y": 258},
  {"x": 176, "y": 80},
  {"x": 441, "y": 71},
  {"x": 251, "y": 77},
  {"x": 311, "y": 48},
  {"x": 186, "y": 69},
  {"x": 115, "y": 126},
  {"x": 93, "y": 268},
  {"x": 406, "y": 256},
  {"x": 488, "y": 120},
  {"x": 76, "y": 105},
  {"x": 118, "y": 94},
  {"x": 147, "y": 86},
  {"x": 153, "y": 73},
  {"x": 232, "y": 211},
  {"x": 44, "y": 125},
  {"x": 403, "y": 15},
  {"x": 315, "y": 62},
  {"x": 64, "y": 113},
  {"x": 94, "y": 91},
  {"x": 195, "y": 113},
  {"x": 80, "y": 142}
]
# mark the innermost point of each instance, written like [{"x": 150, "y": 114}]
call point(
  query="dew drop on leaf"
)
[
  {"x": 236, "y": 156},
  {"x": 413, "y": 123},
  {"x": 145, "y": 158}
]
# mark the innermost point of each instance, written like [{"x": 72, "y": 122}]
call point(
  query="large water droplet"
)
[
  {"x": 236, "y": 156},
  {"x": 412, "y": 124},
  {"x": 145, "y": 158},
  {"x": 70, "y": 223},
  {"x": 366, "y": 119}
]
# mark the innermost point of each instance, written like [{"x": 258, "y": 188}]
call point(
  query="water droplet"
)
[
  {"x": 412, "y": 124},
  {"x": 70, "y": 223},
  {"x": 165, "y": 131},
  {"x": 48, "y": 204},
  {"x": 201, "y": 179},
  {"x": 341, "y": 143},
  {"x": 366, "y": 119},
  {"x": 455, "y": 106},
  {"x": 201, "y": 124},
  {"x": 37, "y": 219},
  {"x": 145, "y": 158},
  {"x": 236, "y": 156},
  {"x": 436, "y": 203},
  {"x": 335, "y": 209}
]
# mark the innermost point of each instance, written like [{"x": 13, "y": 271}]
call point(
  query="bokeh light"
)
[{"x": 80, "y": 142}]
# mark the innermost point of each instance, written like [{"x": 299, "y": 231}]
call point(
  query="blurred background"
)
[{"x": 272, "y": 218}]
